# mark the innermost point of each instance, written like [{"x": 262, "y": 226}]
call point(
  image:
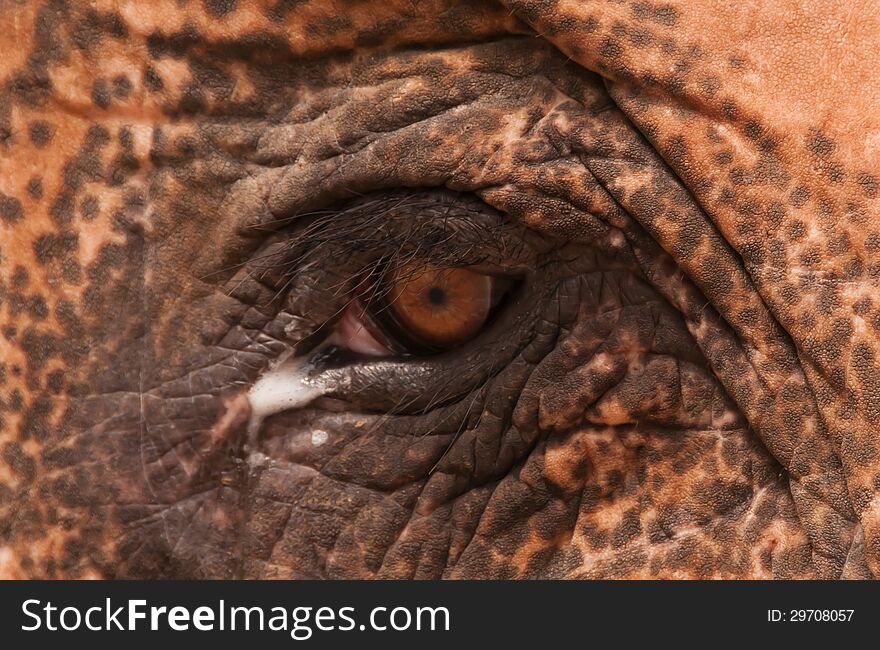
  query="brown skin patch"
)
[{"x": 689, "y": 387}]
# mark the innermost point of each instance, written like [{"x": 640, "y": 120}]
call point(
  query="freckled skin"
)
[{"x": 689, "y": 388}]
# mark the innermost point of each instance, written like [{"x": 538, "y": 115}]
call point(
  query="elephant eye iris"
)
[
  {"x": 419, "y": 309},
  {"x": 438, "y": 307}
]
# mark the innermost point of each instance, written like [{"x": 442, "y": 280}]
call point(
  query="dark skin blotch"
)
[
  {"x": 71, "y": 271},
  {"x": 796, "y": 230},
  {"x": 123, "y": 166},
  {"x": 19, "y": 461},
  {"x": 212, "y": 79},
  {"x": 328, "y": 26},
  {"x": 152, "y": 80},
  {"x": 174, "y": 45},
  {"x": 10, "y": 208},
  {"x": 869, "y": 185},
  {"x": 280, "y": 9},
  {"x": 101, "y": 94},
  {"x": 820, "y": 145},
  {"x": 799, "y": 197},
  {"x": 835, "y": 173},
  {"x": 35, "y": 187},
  {"x": 609, "y": 48},
  {"x": 220, "y": 8},
  {"x": 752, "y": 130},
  {"x": 40, "y": 132},
  {"x": 628, "y": 529},
  {"x": 192, "y": 101},
  {"x": 91, "y": 29},
  {"x": 62, "y": 209},
  {"x": 37, "y": 308},
  {"x": 729, "y": 109},
  {"x": 16, "y": 400},
  {"x": 38, "y": 348},
  {"x": 660, "y": 14},
  {"x": 20, "y": 277},
  {"x": 723, "y": 158},
  {"x": 89, "y": 207},
  {"x": 55, "y": 381},
  {"x": 31, "y": 87},
  {"x": 55, "y": 246}
]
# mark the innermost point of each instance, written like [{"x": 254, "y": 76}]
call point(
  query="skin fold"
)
[{"x": 684, "y": 381}]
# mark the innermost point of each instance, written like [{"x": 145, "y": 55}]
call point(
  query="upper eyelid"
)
[{"x": 467, "y": 234}]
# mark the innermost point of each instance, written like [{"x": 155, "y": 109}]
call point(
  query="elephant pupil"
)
[{"x": 436, "y": 295}]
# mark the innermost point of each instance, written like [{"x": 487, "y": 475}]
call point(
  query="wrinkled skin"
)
[{"x": 688, "y": 384}]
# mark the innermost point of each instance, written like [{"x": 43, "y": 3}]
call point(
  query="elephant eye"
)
[{"x": 421, "y": 308}]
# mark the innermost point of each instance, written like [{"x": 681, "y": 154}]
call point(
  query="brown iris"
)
[{"x": 439, "y": 307}]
